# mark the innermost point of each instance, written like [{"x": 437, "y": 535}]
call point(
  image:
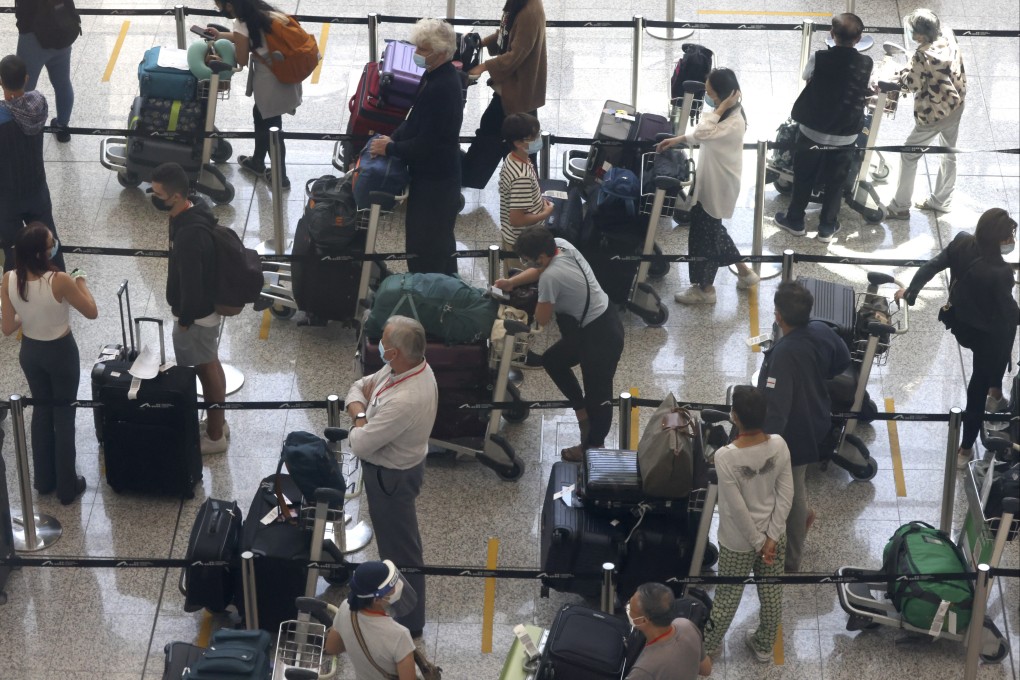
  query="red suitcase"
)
[{"x": 369, "y": 115}]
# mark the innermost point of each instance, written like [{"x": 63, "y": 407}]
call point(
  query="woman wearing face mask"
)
[
  {"x": 37, "y": 298},
  {"x": 520, "y": 198},
  {"x": 720, "y": 136},
  {"x": 378, "y": 646},
  {"x": 428, "y": 142},
  {"x": 981, "y": 295}
]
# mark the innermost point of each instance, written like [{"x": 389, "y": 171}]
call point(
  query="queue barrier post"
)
[
  {"x": 788, "y": 258},
  {"x": 278, "y": 245},
  {"x": 493, "y": 264},
  {"x": 625, "y": 399},
  {"x": 249, "y": 597},
  {"x": 949, "y": 481},
  {"x": 975, "y": 633},
  {"x": 805, "y": 49},
  {"x": 635, "y": 83},
  {"x": 32, "y": 531},
  {"x": 608, "y": 595},
  {"x": 544, "y": 154},
  {"x": 373, "y": 36},
  {"x": 451, "y": 8},
  {"x": 179, "y": 21},
  {"x": 671, "y": 33},
  {"x": 765, "y": 270}
]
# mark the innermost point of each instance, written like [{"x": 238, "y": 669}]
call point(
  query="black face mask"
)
[{"x": 159, "y": 204}]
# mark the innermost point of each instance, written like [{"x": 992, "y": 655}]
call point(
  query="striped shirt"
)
[{"x": 518, "y": 189}]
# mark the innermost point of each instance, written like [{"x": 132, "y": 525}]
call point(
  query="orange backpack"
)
[{"x": 300, "y": 51}]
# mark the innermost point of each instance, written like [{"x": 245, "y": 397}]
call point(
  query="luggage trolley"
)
[
  {"x": 683, "y": 111},
  {"x": 118, "y": 153}
]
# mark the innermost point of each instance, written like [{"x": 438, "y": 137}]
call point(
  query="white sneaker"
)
[
  {"x": 764, "y": 657},
  {"x": 747, "y": 280},
  {"x": 695, "y": 296},
  {"x": 203, "y": 424},
  {"x": 212, "y": 446},
  {"x": 963, "y": 456},
  {"x": 993, "y": 405}
]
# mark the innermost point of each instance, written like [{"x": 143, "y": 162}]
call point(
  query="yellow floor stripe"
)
[
  {"x": 489, "y": 605},
  {"x": 323, "y": 38},
  {"x": 777, "y": 650},
  {"x": 894, "y": 448},
  {"x": 267, "y": 320},
  {"x": 752, "y": 313},
  {"x": 766, "y": 13},
  {"x": 635, "y": 429},
  {"x": 204, "y": 630},
  {"x": 116, "y": 51}
]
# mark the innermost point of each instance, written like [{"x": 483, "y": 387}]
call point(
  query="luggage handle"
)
[
  {"x": 159, "y": 323},
  {"x": 123, "y": 296}
]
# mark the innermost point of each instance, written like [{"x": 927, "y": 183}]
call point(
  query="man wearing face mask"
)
[
  {"x": 379, "y": 647},
  {"x": 673, "y": 648},
  {"x": 393, "y": 411},
  {"x": 428, "y": 142}
]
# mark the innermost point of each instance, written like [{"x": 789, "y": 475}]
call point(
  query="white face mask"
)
[
  {"x": 634, "y": 622},
  {"x": 1007, "y": 248}
]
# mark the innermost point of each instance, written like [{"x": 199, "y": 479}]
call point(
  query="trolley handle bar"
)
[
  {"x": 329, "y": 495},
  {"x": 316, "y": 608},
  {"x": 301, "y": 673},
  {"x": 335, "y": 434}
]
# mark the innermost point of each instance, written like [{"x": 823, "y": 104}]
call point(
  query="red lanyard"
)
[
  {"x": 375, "y": 397},
  {"x": 667, "y": 633}
]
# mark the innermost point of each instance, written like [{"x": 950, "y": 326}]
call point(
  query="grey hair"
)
[
  {"x": 408, "y": 336},
  {"x": 924, "y": 22},
  {"x": 436, "y": 34},
  {"x": 657, "y": 603}
]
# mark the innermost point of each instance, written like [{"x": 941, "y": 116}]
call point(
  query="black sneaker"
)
[
  {"x": 62, "y": 135},
  {"x": 251, "y": 165},
  {"x": 284, "y": 182},
  {"x": 789, "y": 225},
  {"x": 827, "y": 232}
]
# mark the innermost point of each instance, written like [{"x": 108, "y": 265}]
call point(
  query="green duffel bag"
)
[
  {"x": 450, "y": 310},
  {"x": 919, "y": 548}
]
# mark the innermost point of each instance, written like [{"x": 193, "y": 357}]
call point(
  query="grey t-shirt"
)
[
  {"x": 565, "y": 282},
  {"x": 387, "y": 640},
  {"x": 675, "y": 657}
]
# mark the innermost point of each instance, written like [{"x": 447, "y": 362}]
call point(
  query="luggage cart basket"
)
[
  {"x": 301, "y": 642},
  {"x": 677, "y": 200}
]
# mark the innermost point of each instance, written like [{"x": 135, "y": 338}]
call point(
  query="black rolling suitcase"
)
[
  {"x": 323, "y": 288},
  {"x": 178, "y": 658},
  {"x": 123, "y": 351},
  {"x": 281, "y": 550},
  {"x": 215, "y": 537},
  {"x": 659, "y": 549},
  {"x": 150, "y": 436},
  {"x": 584, "y": 644}
]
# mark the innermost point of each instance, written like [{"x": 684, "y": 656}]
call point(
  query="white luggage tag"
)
[
  {"x": 620, "y": 114},
  {"x": 758, "y": 339},
  {"x": 566, "y": 494},
  {"x": 938, "y": 619}
]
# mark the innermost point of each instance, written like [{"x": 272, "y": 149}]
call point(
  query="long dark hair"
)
[
  {"x": 993, "y": 227},
  {"x": 32, "y": 254},
  {"x": 256, "y": 16},
  {"x": 512, "y": 9},
  {"x": 724, "y": 82}
]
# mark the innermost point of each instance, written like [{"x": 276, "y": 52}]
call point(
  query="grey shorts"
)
[{"x": 195, "y": 346}]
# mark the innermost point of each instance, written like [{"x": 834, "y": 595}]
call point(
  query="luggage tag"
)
[
  {"x": 940, "y": 616},
  {"x": 552, "y": 193},
  {"x": 757, "y": 340},
  {"x": 273, "y": 514},
  {"x": 623, "y": 115},
  {"x": 566, "y": 494}
]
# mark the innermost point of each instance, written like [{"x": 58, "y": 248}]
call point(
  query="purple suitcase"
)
[
  {"x": 399, "y": 77},
  {"x": 649, "y": 125}
]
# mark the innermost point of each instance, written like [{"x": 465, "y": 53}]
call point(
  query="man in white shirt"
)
[{"x": 393, "y": 411}]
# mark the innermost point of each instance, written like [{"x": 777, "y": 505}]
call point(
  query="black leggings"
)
[
  {"x": 597, "y": 348},
  {"x": 262, "y": 126},
  {"x": 990, "y": 358}
]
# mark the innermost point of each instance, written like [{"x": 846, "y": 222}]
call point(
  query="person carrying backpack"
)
[{"x": 46, "y": 31}]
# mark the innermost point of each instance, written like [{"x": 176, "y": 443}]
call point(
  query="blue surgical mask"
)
[
  {"x": 709, "y": 102},
  {"x": 1007, "y": 248},
  {"x": 419, "y": 60},
  {"x": 55, "y": 249},
  {"x": 534, "y": 146},
  {"x": 382, "y": 353}
]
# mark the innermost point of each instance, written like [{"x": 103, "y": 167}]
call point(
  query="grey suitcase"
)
[{"x": 834, "y": 305}]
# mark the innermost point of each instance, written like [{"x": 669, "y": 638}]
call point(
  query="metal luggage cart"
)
[
  {"x": 300, "y": 643},
  {"x": 113, "y": 151},
  {"x": 687, "y": 109},
  {"x": 675, "y": 201}
]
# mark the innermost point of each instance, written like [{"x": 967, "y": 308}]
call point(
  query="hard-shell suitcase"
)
[
  {"x": 615, "y": 125},
  {"x": 281, "y": 550},
  {"x": 150, "y": 435},
  {"x": 215, "y": 536},
  {"x": 835, "y": 304},
  {"x": 122, "y": 351},
  {"x": 323, "y": 288},
  {"x": 584, "y": 644},
  {"x": 575, "y": 540},
  {"x": 164, "y": 83},
  {"x": 178, "y": 658},
  {"x": 609, "y": 478},
  {"x": 369, "y": 114},
  {"x": 399, "y": 76}
]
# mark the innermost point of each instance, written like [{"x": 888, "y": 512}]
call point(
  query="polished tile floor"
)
[{"x": 69, "y": 623}]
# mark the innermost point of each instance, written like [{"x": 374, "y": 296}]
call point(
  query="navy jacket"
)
[
  {"x": 428, "y": 140},
  {"x": 793, "y": 379}
]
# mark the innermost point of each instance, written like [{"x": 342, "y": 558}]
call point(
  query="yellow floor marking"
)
[
  {"x": 116, "y": 51},
  {"x": 635, "y": 435},
  {"x": 766, "y": 13},
  {"x": 267, "y": 319},
  {"x": 204, "y": 630},
  {"x": 752, "y": 313},
  {"x": 489, "y": 604},
  {"x": 777, "y": 650},
  {"x": 894, "y": 448},
  {"x": 19, "y": 335},
  {"x": 323, "y": 38}
]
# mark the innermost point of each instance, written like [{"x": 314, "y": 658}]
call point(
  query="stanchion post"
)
[
  {"x": 373, "y": 36},
  {"x": 543, "y": 156},
  {"x": 949, "y": 483},
  {"x": 333, "y": 410},
  {"x": 32, "y": 531},
  {"x": 851, "y": 7},
  {"x": 279, "y": 237},
  {"x": 805, "y": 49},
  {"x": 975, "y": 632},
  {"x": 757, "y": 242},
  {"x": 251, "y": 613},
  {"x": 451, "y": 8},
  {"x": 179, "y": 20},
  {"x": 788, "y": 256},
  {"x": 493, "y": 263},
  {"x": 608, "y": 596},
  {"x": 670, "y": 17},
  {"x": 639, "y": 34},
  {"x": 624, "y": 420}
]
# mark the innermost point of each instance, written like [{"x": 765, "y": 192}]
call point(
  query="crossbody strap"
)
[
  {"x": 587, "y": 290},
  {"x": 364, "y": 647}
]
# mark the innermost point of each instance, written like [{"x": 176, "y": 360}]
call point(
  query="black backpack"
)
[
  {"x": 239, "y": 278},
  {"x": 331, "y": 213},
  {"x": 695, "y": 64},
  {"x": 59, "y": 22},
  {"x": 311, "y": 465}
]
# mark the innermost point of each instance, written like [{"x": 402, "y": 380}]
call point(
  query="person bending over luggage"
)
[
  {"x": 673, "y": 647},
  {"x": 428, "y": 142},
  {"x": 24, "y": 195},
  {"x": 720, "y": 136},
  {"x": 190, "y": 285},
  {"x": 986, "y": 315},
  {"x": 830, "y": 111},
  {"x": 252, "y": 20},
  {"x": 590, "y": 329},
  {"x": 755, "y": 497},
  {"x": 793, "y": 377},
  {"x": 517, "y": 75},
  {"x": 37, "y": 298},
  {"x": 393, "y": 411},
  {"x": 520, "y": 198},
  {"x": 378, "y": 646}
]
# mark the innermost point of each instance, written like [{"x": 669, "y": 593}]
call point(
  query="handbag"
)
[
  {"x": 666, "y": 451},
  {"x": 966, "y": 335},
  {"x": 429, "y": 671}
]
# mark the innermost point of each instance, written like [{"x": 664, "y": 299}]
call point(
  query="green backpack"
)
[
  {"x": 450, "y": 310},
  {"x": 919, "y": 548}
]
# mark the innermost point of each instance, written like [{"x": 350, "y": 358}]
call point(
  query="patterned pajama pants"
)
[
  {"x": 708, "y": 237},
  {"x": 727, "y": 597}
]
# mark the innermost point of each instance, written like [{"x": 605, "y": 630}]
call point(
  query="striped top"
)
[{"x": 518, "y": 188}]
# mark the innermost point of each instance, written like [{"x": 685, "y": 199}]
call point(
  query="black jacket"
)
[
  {"x": 833, "y": 100},
  {"x": 982, "y": 295},
  {"x": 25, "y": 12},
  {"x": 793, "y": 379},
  {"x": 191, "y": 270},
  {"x": 428, "y": 139}
]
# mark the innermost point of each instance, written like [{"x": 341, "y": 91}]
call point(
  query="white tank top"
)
[{"x": 42, "y": 317}]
